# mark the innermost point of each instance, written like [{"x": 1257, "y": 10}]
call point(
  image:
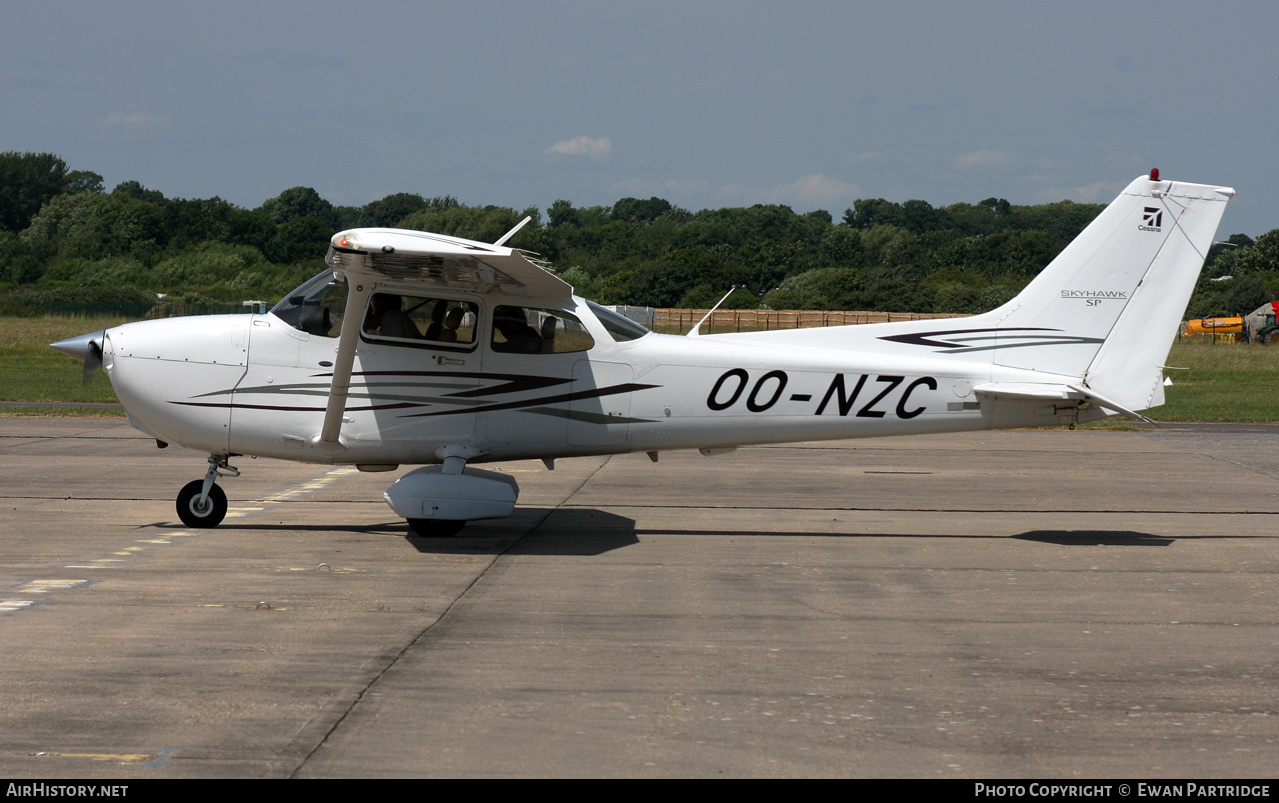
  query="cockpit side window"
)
[
  {"x": 523, "y": 330},
  {"x": 316, "y": 307},
  {"x": 421, "y": 321}
]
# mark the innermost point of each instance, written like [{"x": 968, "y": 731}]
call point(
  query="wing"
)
[{"x": 440, "y": 261}]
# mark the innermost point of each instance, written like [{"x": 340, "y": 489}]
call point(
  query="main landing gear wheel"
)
[
  {"x": 193, "y": 514},
  {"x": 436, "y": 528}
]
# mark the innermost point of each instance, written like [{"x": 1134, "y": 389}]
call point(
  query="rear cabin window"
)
[
  {"x": 523, "y": 330},
  {"x": 421, "y": 321}
]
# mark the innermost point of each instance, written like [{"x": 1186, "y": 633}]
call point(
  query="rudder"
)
[{"x": 1129, "y": 366}]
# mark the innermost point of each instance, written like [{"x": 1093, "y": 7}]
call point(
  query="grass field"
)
[
  {"x": 31, "y": 371},
  {"x": 1224, "y": 382}
]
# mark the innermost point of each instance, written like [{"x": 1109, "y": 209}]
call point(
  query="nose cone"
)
[{"x": 81, "y": 347}]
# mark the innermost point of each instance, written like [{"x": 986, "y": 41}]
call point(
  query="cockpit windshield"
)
[
  {"x": 620, "y": 328},
  {"x": 316, "y": 307}
]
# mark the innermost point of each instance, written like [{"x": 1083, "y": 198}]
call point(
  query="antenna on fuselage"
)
[
  {"x": 694, "y": 331},
  {"x": 511, "y": 233}
]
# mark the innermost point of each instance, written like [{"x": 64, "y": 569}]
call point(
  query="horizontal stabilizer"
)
[
  {"x": 1027, "y": 390},
  {"x": 1052, "y": 391}
]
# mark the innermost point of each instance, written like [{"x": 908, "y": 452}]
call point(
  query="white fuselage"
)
[
  {"x": 421, "y": 348},
  {"x": 253, "y": 384}
]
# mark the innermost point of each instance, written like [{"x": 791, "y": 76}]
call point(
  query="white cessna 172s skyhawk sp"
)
[{"x": 418, "y": 348}]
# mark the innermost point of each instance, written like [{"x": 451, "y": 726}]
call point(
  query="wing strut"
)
[{"x": 330, "y": 438}]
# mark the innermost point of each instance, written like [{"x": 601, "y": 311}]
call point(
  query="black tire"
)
[
  {"x": 192, "y": 515},
  {"x": 436, "y": 528},
  {"x": 1270, "y": 337}
]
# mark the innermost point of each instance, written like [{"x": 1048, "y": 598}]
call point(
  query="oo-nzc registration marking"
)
[{"x": 768, "y": 389}]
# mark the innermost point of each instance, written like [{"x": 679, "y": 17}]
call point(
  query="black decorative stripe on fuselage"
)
[
  {"x": 1013, "y": 338},
  {"x": 509, "y": 383},
  {"x": 512, "y": 383},
  {"x": 563, "y": 397},
  {"x": 234, "y": 406},
  {"x": 923, "y": 338}
]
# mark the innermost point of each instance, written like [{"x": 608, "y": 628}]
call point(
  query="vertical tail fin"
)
[
  {"x": 1129, "y": 367},
  {"x": 1122, "y": 285}
]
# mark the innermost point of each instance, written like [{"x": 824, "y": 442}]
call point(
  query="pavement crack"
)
[{"x": 364, "y": 691}]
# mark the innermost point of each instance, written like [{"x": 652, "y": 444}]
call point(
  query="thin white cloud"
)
[
  {"x": 983, "y": 160},
  {"x": 864, "y": 156},
  {"x": 687, "y": 186},
  {"x": 1098, "y": 191},
  {"x": 1127, "y": 161},
  {"x": 297, "y": 61},
  {"x": 597, "y": 148},
  {"x": 814, "y": 190},
  {"x": 134, "y": 121},
  {"x": 676, "y": 187},
  {"x": 1116, "y": 111},
  {"x": 131, "y": 126},
  {"x": 636, "y": 187}
]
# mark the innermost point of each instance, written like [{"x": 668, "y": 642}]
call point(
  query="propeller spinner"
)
[{"x": 86, "y": 348}]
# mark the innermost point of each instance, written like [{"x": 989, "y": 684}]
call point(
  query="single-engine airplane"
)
[{"x": 417, "y": 348}]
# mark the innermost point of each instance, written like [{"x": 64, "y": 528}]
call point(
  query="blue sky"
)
[{"x": 706, "y": 104}]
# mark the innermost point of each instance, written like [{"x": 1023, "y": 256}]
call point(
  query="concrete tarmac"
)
[{"x": 1048, "y": 604}]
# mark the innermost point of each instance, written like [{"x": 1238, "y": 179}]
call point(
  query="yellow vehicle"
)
[
  {"x": 1229, "y": 328},
  {"x": 1258, "y": 326}
]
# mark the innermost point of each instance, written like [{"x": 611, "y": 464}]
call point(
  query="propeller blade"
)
[{"x": 92, "y": 359}]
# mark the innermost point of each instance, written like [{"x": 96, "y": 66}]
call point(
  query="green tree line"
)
[{"x": 63, "y": 236}]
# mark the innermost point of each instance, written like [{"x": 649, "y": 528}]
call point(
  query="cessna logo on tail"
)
[{"x": 1151, "y": 219}]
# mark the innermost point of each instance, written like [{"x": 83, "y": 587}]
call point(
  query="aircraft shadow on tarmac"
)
[
  {"x": 539, "y": 531},
  {"x": 1095, "y": 538},
  {"x": 529, "y": 531},
  {"x": 588, "y": 531}
]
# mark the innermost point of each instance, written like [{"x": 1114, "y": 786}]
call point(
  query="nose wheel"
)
[
  {"x": 201, "y": 503},
  {"x": 197, "y": 512}
]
